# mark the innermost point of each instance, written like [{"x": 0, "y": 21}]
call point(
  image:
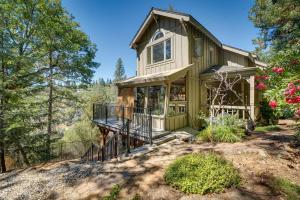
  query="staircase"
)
[
  {"x": 116, "y": 147},
  {"x": 131, "y": 128}
]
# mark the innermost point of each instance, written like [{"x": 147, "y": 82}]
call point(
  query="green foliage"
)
[
  {"x": 202, "y": 119},
  {"x": 269, "y": 128},
  {"x": 278, "y": 22},
  {"x": 44, "y": 60},
  {"x": 290, "y": 190},
  {"x": 227, "y": 128},
  {"x": 201, "y": 174},
  {"x": 114, "y": 193},
  {"x": 221, "y": 133}
]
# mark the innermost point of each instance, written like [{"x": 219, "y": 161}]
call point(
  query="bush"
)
[
  {"x": 222, "y": 133},
  {"x": 114, "y": 193},
  {"x": 283, "y": 186},
  {"x": 201, "y": 174}
]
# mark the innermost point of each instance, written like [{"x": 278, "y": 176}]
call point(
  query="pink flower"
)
[
  {"x": 297, "y": 113},
  {"x": 273, "y": 104},
  {"x": 261, "y": 86},
  {"x": 292, "y": 91},
  {"x": 278, "y": 70}
]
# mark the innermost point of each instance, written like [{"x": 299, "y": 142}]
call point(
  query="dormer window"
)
[{"x": 159, "y": 49}]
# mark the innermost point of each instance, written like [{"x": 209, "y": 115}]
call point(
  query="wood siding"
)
[
  {"x": 182, "y": 36},
  {"x": 234, "y": 59},
  {"x": 194, "y": 87},
  {"x": 125, "y": 97},
  {"x": 179, "y": 44}
]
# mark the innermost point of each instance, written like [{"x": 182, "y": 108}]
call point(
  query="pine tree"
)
[
  {"x": 68, "y": 56},
  {"x": 119, "y": 74},
  {"x": 20, "y": 53},
  {"x": 101, "y": 82}
]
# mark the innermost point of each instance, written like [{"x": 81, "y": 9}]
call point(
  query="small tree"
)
[
  {"x": 119, "y": 71},
  {"x": 219, "y": 92}
]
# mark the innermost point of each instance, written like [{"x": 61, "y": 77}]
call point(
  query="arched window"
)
[
  {"x": 158, "y": 35},
  {"x": 159, "y": 50}
]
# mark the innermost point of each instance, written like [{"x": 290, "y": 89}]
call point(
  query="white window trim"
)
[
  {"x": 202, "y": 47},
  {"x": 151, "y": 44},
  {"x": 156, "y": 33}
]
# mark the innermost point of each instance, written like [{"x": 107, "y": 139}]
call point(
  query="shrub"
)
[
  {"x": 201, "y": 174},
  {"x": 283, "y": 186},
  {"x": 222, "y": 133},
  {"x": 114, "y": 193}
]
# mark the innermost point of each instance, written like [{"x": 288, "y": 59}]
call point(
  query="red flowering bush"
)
[{"x": 281, "y": 83}]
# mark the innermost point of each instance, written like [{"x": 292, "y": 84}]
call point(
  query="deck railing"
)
[
  {"x": 139, "y": 119},
  {"x": 242, "y": 112}
]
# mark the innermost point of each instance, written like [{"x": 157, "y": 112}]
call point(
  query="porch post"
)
[
  {"x": 243, "y": 97},
  {"x": 167, "y": 96},
  {"x": 252, "y": 97}
]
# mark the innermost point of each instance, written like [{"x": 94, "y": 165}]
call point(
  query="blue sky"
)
[{"x": 111, "y": 24}]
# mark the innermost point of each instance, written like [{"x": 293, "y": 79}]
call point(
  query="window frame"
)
[
  {"x": 211, "y": 55},
  {"x": 201, "y": 41},
  {"x": 155, "y": 42}
]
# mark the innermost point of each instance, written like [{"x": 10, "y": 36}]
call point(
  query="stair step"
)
[
  {"x": 159, "y": 134},
  {"x": 164, "y": 139}
]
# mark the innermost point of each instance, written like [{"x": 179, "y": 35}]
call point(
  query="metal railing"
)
[
  {"x": 111, "y": 149},
  {"x": 117, "y": 116}
]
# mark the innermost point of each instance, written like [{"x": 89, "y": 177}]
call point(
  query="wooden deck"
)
[{"x": 115, "y": 124}]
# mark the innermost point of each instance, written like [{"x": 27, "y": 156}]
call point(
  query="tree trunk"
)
[
  {"x": 23, "y": 153},
  {"x": 2, "y": 152},
  {"x": 50, "y": 104}
]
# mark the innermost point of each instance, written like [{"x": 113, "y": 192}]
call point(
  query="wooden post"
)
[
  {"x": 167, "y": 97},
  {"x": 128, "y": 136},
  {"x": 116, "y": 144},
  {"x": 106, "y": 113},
  {"x": 150, "y": 126},
  {"x": 252, "y": 97}
]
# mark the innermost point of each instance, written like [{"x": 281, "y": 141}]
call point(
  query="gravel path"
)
[{"x": 271, "y": 153}]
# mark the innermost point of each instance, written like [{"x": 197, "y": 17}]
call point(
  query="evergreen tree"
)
[
  {"x": 119, "y": 74},
  {"x": 20, "y": 53},
  {"x": 68, "y": 57},
  {"x": 101, "y": 82}
]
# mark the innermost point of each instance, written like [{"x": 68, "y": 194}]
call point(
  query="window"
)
[
  {"x": 156, "y": 99},
  {"x": 168, "y": 49},
  {"x": 158, "y": 35},
  {"x": 177, "y": 90},
  {"x": 159, "y": 51},
  {"x": 211, "y": 55},
  {"x": 140, "y": 95},
  {"x": 198, "y": 48},
  {"x": 149, "y": 55}
]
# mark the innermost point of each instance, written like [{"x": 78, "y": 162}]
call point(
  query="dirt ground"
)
[{"x": 259, "y": 156}]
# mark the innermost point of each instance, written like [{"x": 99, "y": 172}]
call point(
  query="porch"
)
[
  {"x": 236, "y": 92},
  {"x": 164, "y": 93}
]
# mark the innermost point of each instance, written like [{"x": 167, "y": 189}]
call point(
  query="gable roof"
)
[
  {"x": 171, "y": 14},
  {"x": 190, "y": 19}
]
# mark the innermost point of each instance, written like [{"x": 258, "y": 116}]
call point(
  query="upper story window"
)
[
  {"x": 198, "y": 48},
  {"x": 211, "y": 55},
  {"x": 158, "y": 35},
  {"x": 160, "y": 50}
]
